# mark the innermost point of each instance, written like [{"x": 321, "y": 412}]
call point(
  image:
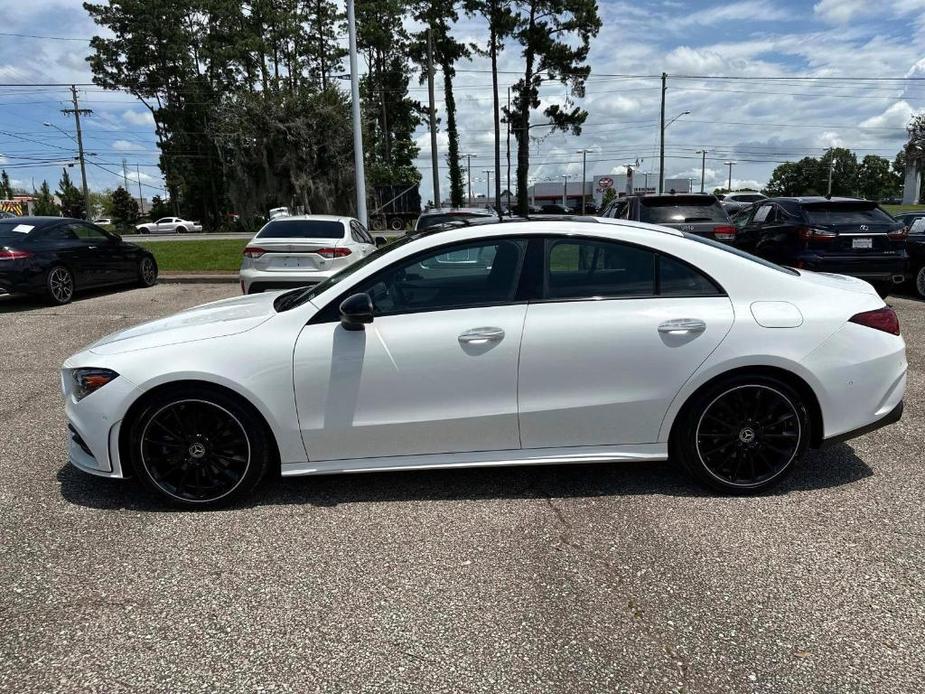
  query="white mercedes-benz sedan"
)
[{"x": 514, "y": 343}]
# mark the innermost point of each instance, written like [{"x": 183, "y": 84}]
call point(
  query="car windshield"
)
[
  {"x": 299, "y": 296},
  {"x": 302, "y": 229},
  {"x": 741, "y": 254},
  {"x": 847, "y": 213},
  {"x": 678, "y": 211},
  {"x": 13, "y": 229},
  {"x": 754, "y": 197},
  {"x": 432, "y": 220}
]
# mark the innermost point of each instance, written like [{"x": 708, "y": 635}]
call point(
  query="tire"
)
[
  {"x": 147, "y": 271},
  {"x": 920, "y": 282},
  {"x": 144, "y": 231},
  {"x": 743, "y": 434},
  {"x": 198, "y": 447},
  {"x": 396, "y": 224},
  {"x": 181, "y": 230},
  {"x": 59, "y": 285}
]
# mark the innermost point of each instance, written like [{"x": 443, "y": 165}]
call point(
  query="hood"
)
[{"x": 216, "y": 319}]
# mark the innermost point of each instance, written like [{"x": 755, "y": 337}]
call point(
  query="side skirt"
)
[{"x": 530, "y": 456}]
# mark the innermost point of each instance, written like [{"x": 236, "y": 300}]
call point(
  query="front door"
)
[
  {"x": 436, "y": 370},
  {"x": 619, "y": 331}
]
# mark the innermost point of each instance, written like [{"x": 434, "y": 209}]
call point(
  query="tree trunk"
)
[
  {"x": 523, "y": 128},
  {"x": 456, "y": 185}
]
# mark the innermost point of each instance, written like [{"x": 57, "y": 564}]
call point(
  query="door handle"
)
[
  {"x": 682, "y": 326},
  {"x": 91, "y": 248},
  {"x": 481, "y": 336}
]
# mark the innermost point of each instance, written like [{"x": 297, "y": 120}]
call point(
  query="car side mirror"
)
[
  {"x": 356, "y": 311},
  {"x": 381, "y": 241}
]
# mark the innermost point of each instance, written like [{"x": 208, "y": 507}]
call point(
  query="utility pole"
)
[
  {"x": 78, "y": 112},
  {"x": 124, "y": 175},
  {"x": 661, "y": 146},
  {"x": 488, "y": 173},
  {"x": 565, "y": 178},
  {"x": 359, "y": 172},
  {"x": 584, "y": 162},
  {"x": 469, "y": 176},
  {"x": 508, "y": 119},
  {"x": 433, "y": 117},
  {"x": 141, "y": 200},
  {"x": 730, "y": 164},
  {"x": 703, "y": 166},
  {"x": 831, "y": 172}
]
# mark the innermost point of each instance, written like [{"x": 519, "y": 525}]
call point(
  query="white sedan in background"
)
[
  {"x": 296, "y": 251},
  {"x": 169, "y": 225},
  {"x": 515, "y": 343}
]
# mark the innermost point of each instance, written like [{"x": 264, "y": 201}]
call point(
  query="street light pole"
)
[
  {"x": 584, "y": 162},
  {"x": 359, "y": 171},
  {"x": 703, "y": 166},
  {"x": 831, "y": 172},
  {"x": 730, "y": 164},
  {"x": 565, "y": 178},
  {"x": 661, "y": 146},
  {"x": 433, "y": 118},
  {"x": 469, "y": 158},
  {"x": 488, "y": 173}
]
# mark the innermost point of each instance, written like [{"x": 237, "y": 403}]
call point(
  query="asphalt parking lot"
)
[{"x": 606, "y": 578}]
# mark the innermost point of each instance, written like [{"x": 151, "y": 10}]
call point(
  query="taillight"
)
[
  {"x": 884, "y": 319},
  {"x": 332, "y": 252},
  {"x": 10, "y": 254},
  {"x": 724, "y": 233},
  {"x": 812, "y": 234},
  {"x": 253, "y": 252},
  {"x": 898, "y": 234}
]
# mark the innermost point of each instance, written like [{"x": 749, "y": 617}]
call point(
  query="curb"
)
[{"x": 189, "y": 278}]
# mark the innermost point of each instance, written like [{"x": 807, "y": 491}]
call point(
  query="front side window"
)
[
  {"x": 582, "y": 268},
  {"x": 471, "y": 274},
  {"x": 88, "y": 233}
]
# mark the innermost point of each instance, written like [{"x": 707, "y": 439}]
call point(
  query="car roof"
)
[
  {"x": 312, "y": 217},
  {"x": 459, "y": 210},
  {"x": 542, "y": 220},
  {"x": 39, "y": 222},
  {"x": 815, "y": 198}
]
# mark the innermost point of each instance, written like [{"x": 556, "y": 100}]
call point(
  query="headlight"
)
[{"x": 87, "y": 381}]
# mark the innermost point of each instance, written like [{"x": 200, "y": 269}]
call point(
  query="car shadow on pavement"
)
[
  {"x": 830, "y": 468},
  {"x": 18, "y": 303}
]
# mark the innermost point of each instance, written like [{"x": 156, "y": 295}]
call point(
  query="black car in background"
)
[
  {"x": 915, "y": 247},
  {"x": 699, "y": 214},
  {"x": 841, "y": 235},
  {"x": 55, "y": 256}
]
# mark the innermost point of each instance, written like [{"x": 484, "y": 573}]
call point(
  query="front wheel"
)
[
  {"x": 59, "y": 285},
  {"x": 742, "y": 435},
  {"x": 198, "y": 448},
  {"x": 147, "y": 272}
]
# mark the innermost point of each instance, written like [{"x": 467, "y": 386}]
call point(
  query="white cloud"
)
[
  {"x": 745, "y": 10},
  {"x": 844, "y": 11},
  {"x": 896, "y": 116},
  {"x": 138, "y": 117},
  {"x": 126, "y": 146}
]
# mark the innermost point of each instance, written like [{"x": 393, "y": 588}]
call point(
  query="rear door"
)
[{"x": 618, "y": 332}]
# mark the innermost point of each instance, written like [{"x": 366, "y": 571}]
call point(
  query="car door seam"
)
[{"x": 523, "y": 329}]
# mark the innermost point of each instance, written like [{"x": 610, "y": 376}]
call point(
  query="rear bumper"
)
[
  {"x": 21, "y": 276},
  {"x": 255, "y": 281},
  {"x": 874, "y": 268},
  {"x": 890, "y": 418}
]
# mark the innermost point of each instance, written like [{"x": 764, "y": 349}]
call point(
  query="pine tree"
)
[
  {"x": 72, "y": 200},
  {"x": 159, "y": 208},
  {"x": 6, "y": 190},
  {"x": 124, "y": 209},
  {"x": 44, "y": 204}
]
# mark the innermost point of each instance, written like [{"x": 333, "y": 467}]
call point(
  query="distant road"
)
[
  {"x": 148, "y": 238},
  {"x": 151, "y": 238}
]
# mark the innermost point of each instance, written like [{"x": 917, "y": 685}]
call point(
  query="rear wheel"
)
[
  {"x": 147, "y": 271},
  {"x": 59, "y": 285},
  {"x": 742, "y": 435},
  {"x": 396, "y": 223},
  {"x": 198, "y": 448},
  {"x": 181, "y": 230},
  {"x": 920, "y": 282}
]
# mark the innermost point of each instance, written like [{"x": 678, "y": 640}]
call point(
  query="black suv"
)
[
  {"x": 697, "y": 213},
  {"x": 842, "y": 235}
]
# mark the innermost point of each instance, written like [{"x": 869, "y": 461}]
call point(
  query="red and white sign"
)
[{"x": 605, "y": 182}]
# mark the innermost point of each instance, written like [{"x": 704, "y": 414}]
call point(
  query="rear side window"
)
[
  {"x": 579, "y": 268},
  {"x": 835, "y": 213},
  {"x": 667, "y": 211},
  {"x": 302, "y": 229},
  {"x": 679, "y": 279}
]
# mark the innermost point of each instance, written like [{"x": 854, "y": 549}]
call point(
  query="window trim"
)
[
  {"x": 330, "y": 313},
  {"x": 546, "y": 299}
]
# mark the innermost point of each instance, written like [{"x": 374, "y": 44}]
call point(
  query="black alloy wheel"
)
[
  {"x": 920, "y": 282},
  {"x": 198, "y": 450},
  {"x": 147, "y": 271},
  {"x": 743, "y": 435},
  {"x": 59, "y": 285}
]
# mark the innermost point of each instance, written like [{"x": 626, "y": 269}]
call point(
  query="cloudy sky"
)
[{"x": 773, "y": 116}]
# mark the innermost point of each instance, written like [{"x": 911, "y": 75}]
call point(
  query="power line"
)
[{"x": 50, "y": 38}]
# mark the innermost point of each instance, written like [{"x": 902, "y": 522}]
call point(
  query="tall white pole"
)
[{"x": 360, "y": 172}]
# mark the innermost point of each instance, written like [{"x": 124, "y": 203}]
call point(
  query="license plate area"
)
[
  {"x": 862, "y": 243},
  {"x": 293, "y": 262}
]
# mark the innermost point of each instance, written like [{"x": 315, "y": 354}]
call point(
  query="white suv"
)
[{"x": 302, "y": 250}]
